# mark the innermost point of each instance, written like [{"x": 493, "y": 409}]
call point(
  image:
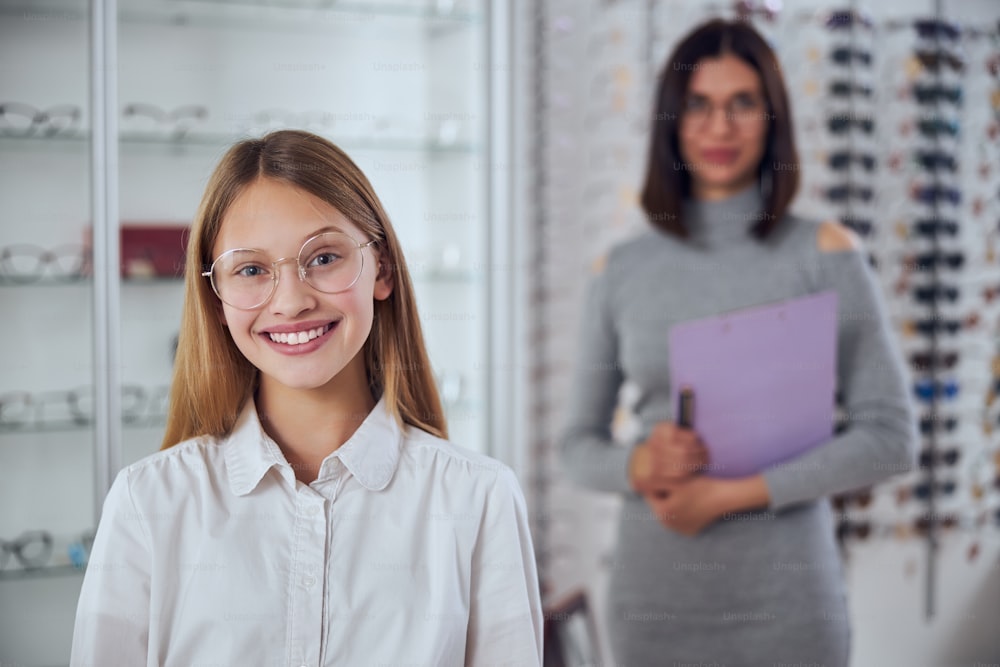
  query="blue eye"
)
[
  {"x": 324, "y": 259},
  {"x": 251, "y": 271}
]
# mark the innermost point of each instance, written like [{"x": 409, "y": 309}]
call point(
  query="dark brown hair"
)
[{"x": 666, "y": 187}]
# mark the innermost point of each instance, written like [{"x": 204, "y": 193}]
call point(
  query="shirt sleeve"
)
[
  {"x": 112, "y": 616},
  {"x": 505, "y": 615},
  {"x": 881, "y": 438},
  {"x": 587, "y": 451}
]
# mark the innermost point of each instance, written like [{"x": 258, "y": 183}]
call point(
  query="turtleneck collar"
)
[{"x": 724, "y": 221}]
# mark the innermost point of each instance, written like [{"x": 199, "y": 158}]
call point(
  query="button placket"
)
[{"x": 309, "y": 549}]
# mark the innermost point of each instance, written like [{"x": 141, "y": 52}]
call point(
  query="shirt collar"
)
[{"x": 370, "y": 454}]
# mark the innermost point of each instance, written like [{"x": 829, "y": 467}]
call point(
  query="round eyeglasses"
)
[{"x": 245, "y": 278}]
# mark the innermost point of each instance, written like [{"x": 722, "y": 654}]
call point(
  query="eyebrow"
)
[
  {"x": 744, "y": 91},
  {"x": 315, "y": 232}
]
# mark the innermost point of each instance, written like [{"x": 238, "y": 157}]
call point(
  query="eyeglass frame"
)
[
  {"x": 276, "y": 274},
  {"x": 689, "y": 116}
]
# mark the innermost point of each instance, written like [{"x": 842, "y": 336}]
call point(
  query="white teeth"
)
[{"x": 298, "y": 337}]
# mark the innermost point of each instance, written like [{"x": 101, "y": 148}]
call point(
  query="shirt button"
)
[
  {"x": 308, "y": 581},
  {"x": 312, "y": 510}
]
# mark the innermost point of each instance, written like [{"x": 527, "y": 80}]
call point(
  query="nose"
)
[
  {"x": 718, "y": 122},
  {"x": 292, "y": 296}
]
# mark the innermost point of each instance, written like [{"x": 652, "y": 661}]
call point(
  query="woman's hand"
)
[
  {"x": 690, "y": 505},
  {"x": 670, "y": 454}
]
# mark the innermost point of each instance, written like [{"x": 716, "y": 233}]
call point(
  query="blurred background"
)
[{"x": 507, "y": 141}]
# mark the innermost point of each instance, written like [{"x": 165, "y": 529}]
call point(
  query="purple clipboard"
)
[{"x": 764, "y": 380}]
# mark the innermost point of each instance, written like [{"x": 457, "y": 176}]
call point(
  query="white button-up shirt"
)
[{"x": 406, "y": 550}]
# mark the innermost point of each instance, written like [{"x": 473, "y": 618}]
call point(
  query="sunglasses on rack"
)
[
  {"x": 841, "y": 124},
  {"x": 948, "y": 457},
  {"x": 934, "y": 423},
  {"x": 841, "y": 88},
  {"x": 935, "y": 60},
  {"x": 937, "y": 29},
  {"x": 935, "y": 160},
  {"x": 862, "y": 226},
  {"x": 934, "y": 227},
  {"x": 843, "y": 501},
  {"x": 924, "y": 490},
  {"x": 844, "y": 55},
  {"x": 839, "y": 193},
  {"x": 933, "y": 293},
  {"x": 841, "y": 160},
  {"x": 931, "y": 326},
  {"x": 936, "y": 127},
  {"x": 929, "y": 93},
  {"x": 927, "y": 390},
  {"x": 845, "y": 19},
  {"x": 926, "y": 361},
  {"x": 932, "y": 194}
]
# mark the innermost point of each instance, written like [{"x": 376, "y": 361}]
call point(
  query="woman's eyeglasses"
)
[
  {"x": 246, "y": 278},
  {"x": 744, "y": 110}
]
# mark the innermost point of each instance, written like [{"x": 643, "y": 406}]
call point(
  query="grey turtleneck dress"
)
[{"x": 755, "y": 588}]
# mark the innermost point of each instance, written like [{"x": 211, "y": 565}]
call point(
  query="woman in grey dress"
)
[{"x": 713, "y": 571}]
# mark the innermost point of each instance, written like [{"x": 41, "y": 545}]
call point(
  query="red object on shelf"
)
[{"x": 149, "y": 250}]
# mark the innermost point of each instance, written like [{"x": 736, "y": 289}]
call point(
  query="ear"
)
[{"x": 384, "y": 279}]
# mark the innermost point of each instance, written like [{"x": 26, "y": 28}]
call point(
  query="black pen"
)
[{"x": 685, "y": 408}]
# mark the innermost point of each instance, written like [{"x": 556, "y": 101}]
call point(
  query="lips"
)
[
  {"x": 300, "y": 337},
  {"x": 720, "y": 155}
]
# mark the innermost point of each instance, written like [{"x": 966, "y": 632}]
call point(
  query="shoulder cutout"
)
[{"x": 835, "y": 237}]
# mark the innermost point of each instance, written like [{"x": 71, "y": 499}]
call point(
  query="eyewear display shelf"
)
[{"x": 118, "y": 112}]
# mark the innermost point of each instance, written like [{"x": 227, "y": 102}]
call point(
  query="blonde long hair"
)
[{"x": 212, "y": 379}]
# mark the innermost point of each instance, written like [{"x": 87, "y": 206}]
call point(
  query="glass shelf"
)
[
  {"x": 42, "y": 572},
  {"x": 76, "y": 427},
  {"x": 86, "y": 282},
  {"x": 216, "y": 141},
  {"x": 264, "y": 14}
]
